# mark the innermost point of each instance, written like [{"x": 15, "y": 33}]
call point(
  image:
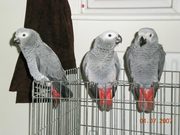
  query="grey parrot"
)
[
  {"x": 43, "y": 63},
  {"x": 101, "y": 67},
  {"x": 143, "y": 62}
]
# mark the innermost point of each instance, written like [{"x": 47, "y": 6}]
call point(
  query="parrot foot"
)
[
  {"x": 44, "y": 80},
  {"x": 115, "y": 83},
  {"x": 92, "y": 84}
]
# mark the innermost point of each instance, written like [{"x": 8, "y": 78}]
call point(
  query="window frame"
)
[
  {"x": 81, "y": 11},
  {"x": 121, "y": 4}
]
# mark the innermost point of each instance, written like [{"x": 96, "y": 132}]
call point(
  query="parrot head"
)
[
  {"x": 107, "y": 40},
  {"x": 25, "y": 38},
  {"x": 146, "y": 36}
]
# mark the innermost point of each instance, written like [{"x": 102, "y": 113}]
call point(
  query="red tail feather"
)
[
  {"x": 56, "y": 95},
  {"x": 109, "y": 97},
  {"x": 146, "y": 100},
  {"x": 105, "y": 99},
  {"x": 101, "y": 96}
]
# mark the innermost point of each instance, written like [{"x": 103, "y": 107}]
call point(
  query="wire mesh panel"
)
[
  {"x": 62, "y": 120},
  {"x": 80, "y": 115}
]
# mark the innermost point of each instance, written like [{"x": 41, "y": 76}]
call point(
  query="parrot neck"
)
[
  {"x": 150, "y": 50},
  {"x": 27, "y": 55},
  {"x": 28, "y": 52},
  {"x": 102, "y": 53}
]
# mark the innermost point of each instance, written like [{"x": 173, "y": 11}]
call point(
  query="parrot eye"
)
[
  {"x": 150, "y": 35},
  {"x": 109, "y": 35},
  {"x": 24, "y": 35}
]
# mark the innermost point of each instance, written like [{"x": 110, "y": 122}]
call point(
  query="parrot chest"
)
[
  {"x": 101, "y": 71},
  {"x": 144, "y": 67}
]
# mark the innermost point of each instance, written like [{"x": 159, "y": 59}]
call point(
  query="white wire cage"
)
[{"x": 80, "y": 115}]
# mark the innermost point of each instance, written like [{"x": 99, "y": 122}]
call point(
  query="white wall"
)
[
  {"x": 86, "y": 30},
  {"x": 14, "y": 117},
  {"x": 88, "y": 24}
]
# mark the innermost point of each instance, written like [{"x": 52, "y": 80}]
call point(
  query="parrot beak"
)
[
  {"x": 12, "y": 40},
  {"x": 118, "y": 39},
  {"x": 146, "y": 100},
  {"x": 142, "y": 41},
  {"x": 16, "y": 41}
]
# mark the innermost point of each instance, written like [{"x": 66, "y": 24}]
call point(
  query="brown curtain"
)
[{"x": 52, "y": 20}]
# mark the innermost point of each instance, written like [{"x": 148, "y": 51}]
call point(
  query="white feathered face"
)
[
  {"x": 146, "y": 36},
  {"x": 108, "y": 40},
  {"x": 25, "y": 38}
]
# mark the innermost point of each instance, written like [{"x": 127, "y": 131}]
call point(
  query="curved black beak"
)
[
  {"x": 118, "y": 39},
  {"x": 16, "y": 40},
  {"x": 142, "y": 41}
]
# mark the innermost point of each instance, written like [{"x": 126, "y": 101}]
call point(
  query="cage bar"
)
[{"x": 80, "y": 115}]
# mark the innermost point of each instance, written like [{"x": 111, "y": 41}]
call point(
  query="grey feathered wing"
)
[
  {"x": 90, "y": 86},
  {"x": 83, "y": 68},
  {"x": 118, "y": 69},
  {"x": 127, "y": 66},
  {"x": 50, "y": 65},
  {"x": 117, "y": 65},
  {"x": 161, "y": 62}
]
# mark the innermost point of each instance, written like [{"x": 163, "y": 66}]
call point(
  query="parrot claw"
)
[
  {"x": 43, "y": 78},
  {"x": 115, "y": 83},
  {"x": 45, "y": 81}
]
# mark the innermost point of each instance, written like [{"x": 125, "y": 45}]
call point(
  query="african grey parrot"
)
[
  {"x": 101, "y": 67},
  {"x": 42, "y": 62},
  {"x": 144, "y": 62}
]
